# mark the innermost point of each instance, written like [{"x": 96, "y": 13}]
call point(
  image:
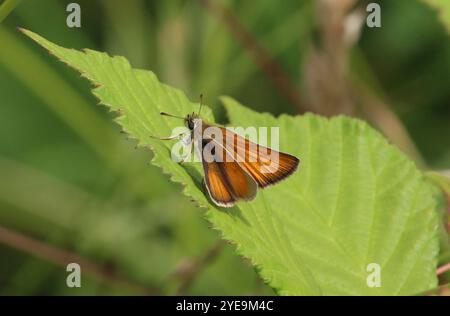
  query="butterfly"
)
[{"x": 234, "y": 167}]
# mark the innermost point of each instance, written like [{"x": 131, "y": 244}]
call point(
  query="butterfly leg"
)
[{"x": 187, "y": 141}]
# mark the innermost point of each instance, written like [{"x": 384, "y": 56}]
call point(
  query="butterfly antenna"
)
[
  {"x": 201, "y": 104},
  {"x": 171, "y": 115}
]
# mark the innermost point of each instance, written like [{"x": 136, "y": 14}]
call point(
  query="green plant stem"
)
[{"x": 7, "y": 7}]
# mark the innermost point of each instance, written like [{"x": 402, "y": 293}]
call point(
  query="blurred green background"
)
[{"x": 72, "y": 187}]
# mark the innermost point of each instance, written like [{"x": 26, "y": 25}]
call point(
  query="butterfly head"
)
[{"x": 192, "y": 120}]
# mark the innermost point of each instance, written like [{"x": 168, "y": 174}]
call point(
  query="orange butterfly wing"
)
[
  {"x": 265, "y": 165},
  {"x": 240, "y": 166},
  {"x": 227, "y": 181}
]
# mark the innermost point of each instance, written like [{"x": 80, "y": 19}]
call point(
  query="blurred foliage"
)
[
  {"x": 70, "y": 179},
  {"x": 443, "y": 8}
]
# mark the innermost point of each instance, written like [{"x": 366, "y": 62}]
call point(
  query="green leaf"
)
[
  {"x": 355, "y": 200},
  {"x": 443, "y": 9},
  {"x": 443, "y": 290}
]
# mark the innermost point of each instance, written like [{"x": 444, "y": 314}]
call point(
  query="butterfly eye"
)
[{"x": 190, "y": 124}]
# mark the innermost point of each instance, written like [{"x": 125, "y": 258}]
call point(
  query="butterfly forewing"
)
[{"x": 265, "y": 165}]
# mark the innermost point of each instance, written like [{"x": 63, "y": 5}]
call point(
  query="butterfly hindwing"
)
[{"x": 227, "y": 181}]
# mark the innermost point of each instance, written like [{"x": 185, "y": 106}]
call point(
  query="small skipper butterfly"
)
[{"x": 234, "y": 167}]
